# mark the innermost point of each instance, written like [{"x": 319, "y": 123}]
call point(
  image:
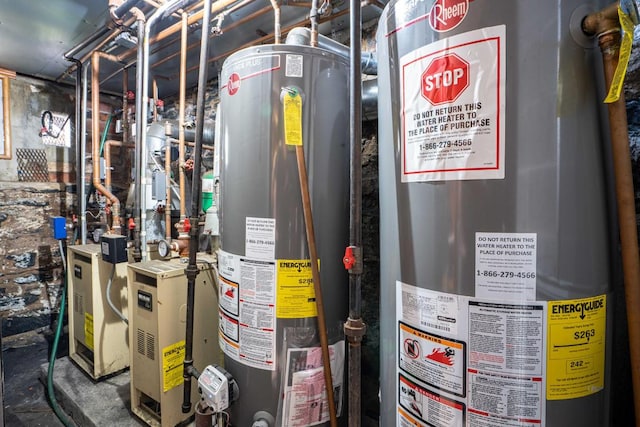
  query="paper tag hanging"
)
[
  {"x": 292, "y": 117},
  {"x": 623, "y": 61}
]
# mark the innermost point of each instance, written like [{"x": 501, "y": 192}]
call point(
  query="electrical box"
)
[
  {"x": 59, "y": 226},
  {"x": 158, "y": 310},
  {"x": 114, "y": 248},
  {"x": 98, "y": 338}
]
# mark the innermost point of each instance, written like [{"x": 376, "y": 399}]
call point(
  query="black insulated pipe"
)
[
  {"x": 196, "y": 199},
  {"x": 118, "y": 12}
]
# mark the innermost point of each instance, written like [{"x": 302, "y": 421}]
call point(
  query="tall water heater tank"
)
[
  {"x": 494, "y": 228},
  {"x": 267, "y": 305}
]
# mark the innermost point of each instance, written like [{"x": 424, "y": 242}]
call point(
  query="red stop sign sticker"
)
[
  {"x": 444, "y": 79},
  {"x": 445, "y": 15},
  {"x": 233, "y": 85}
]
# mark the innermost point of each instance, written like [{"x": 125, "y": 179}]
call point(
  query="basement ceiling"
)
[{"x": 36, "y": 34}]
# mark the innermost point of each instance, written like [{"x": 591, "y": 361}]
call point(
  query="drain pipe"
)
[
  {"x": 95, "y": 138},
  {"x": 183, "y": 95},
  {"x": 313, "y": 253},
  {"x": 140, "y": 125},
  {"x": 196, "y": 183},
  {"x": 605, "y": 25},
  {"x": 354, "y": 327}
]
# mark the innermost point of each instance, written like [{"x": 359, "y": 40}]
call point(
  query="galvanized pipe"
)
[
  {"x": 95, "y": 138},
  {"x": 140, "y": 125},
  {"x": 196, "y": 196},
  {"x": 181, "y": 107},
  {"x": 82, "y": 192},
  {"x": 78, "y": 126},
  {"x": 354, "y": 327}
]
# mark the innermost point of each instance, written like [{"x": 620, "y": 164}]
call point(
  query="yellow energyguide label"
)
[
  {"x": 172, "y": 360},
  {"x": 296, "y": 297},
  {"x": 88, "y": 330},
  {"x": 292, "y": 118},
  {"x": 576, "y": 347}
]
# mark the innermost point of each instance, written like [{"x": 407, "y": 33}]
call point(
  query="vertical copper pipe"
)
[
  {"x": 276, "y": 21},
  {"x": 610, "y": 46},
  {"x": 313, "y": 18},
  {"x": 183, "y": 92},
  {"x": 155, "y": 100},
  {"x": 95, "y": 139},
  {"x": 313, "y": 255}
]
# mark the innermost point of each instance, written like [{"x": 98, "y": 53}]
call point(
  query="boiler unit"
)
[
  {"x": 268, "y": 325},
  {"x": 495, "y": 247},
  {"x": 98, "y": 338},
  {"x": 158, "y": 307}
]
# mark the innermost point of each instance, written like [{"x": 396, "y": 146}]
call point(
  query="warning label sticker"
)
[
  {"x": 296, "y": 297},
  {"x": 575, "y": 355},
  {"x": 453, "y": 108},
  {"x": 172, "y": 360},
  {"x": 431, "y": 408},
  {"x": 88, "y": 330}
]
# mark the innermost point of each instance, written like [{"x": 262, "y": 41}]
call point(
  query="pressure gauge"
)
[{"x": 164, "y": 249}]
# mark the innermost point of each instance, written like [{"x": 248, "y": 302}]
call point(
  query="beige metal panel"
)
[
  {"x": 99, "y": 340},
  {"x": 157, "y": 303}
]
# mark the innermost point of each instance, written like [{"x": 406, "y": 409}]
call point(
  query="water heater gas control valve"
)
[{"x": 217, "y": 388}]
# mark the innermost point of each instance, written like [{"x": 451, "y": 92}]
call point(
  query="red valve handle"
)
[{"x": 349, "y": 260}]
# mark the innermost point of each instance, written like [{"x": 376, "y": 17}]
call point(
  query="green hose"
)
[
  {"x": 54, "y": 350},
  {"x": 103, "y": 140}
]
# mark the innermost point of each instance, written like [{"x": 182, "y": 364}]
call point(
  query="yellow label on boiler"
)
[
  {"x": 296, "y": 297},
  {"x": 88, "y": 330},
  {"x": 172, "y": 365},
  {"x": 576, "y": 332}
]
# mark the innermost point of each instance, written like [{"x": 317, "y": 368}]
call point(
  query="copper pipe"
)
[
  {"x": 231, "y": 26},
  {"x": 192, "y": 144},
  {"x": 602, "y": 21},
  {"x": 313, "y": 17},
  {"x": 299, "y": 4},
  {"x": 183, "y": 92},
  {"x": 610, "y": 46},
  {"x": 107, "y": 159},
  {"x": 154, "y": 84},
  {"x": 95, "y": 139},
  {"x": 313, "y": 255},
  {"x": 262, "y": 39},
  {"x": 276, "y": 21}
]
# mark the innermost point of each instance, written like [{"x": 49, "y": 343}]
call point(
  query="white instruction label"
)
[
  {"x": 260, "y": 238},
  {"x": 453, "y": 108},
  {"x": 506, "y": 266}
]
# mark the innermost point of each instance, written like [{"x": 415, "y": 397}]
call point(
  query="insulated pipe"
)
[
  {"x": 140, "y": 125},
  {"x": 118, "y": 11},
  {"x": 95, "y": 138},
  {"x": 605, "y": 25},
  {"x": 276, "y": 21},
  {"x": 183, "y": 92},
  {"x": 302, "y": 36},
  {"x": 354, "y": 327},
  {"x": 192, "y": 269}
]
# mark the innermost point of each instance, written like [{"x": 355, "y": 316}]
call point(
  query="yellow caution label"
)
[
  {"x": 576, "y": 346},
  {"x": 296, "y": 297},
  {"x": 88, "y": 330},
  {"x": 293, "y": 118},
  {"x": 172, "y": 360},
  {"x": 623, "y": 59}
]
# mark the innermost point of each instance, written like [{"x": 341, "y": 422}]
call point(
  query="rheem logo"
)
[
  {"x": 445, "y": 15},
  {"x": 444, "y": 79},
  {"x": 233, "y": 85}
]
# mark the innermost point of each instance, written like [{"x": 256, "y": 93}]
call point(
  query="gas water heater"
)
[
  {"x": 494, "y": 232},
  {"x": 268, "y": 327}
]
